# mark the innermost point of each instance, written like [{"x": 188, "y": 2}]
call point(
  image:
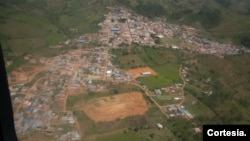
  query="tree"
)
[
  {"x": 209, "y": 17},
  {"x": 151, "y": 135},
  {"x": 150, "y": 10},
  {"x": 245, "y": 41},
  {"x": 136, "y": 129},
  {"x": 224, "y": 3},
  {"x": 116, "y": 91}
]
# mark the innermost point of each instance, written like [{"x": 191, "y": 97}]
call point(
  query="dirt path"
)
[
  {"x": 183, "y": 86},
  {"x": 129, "y": 47}
]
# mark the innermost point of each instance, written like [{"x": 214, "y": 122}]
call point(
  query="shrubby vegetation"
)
[
  {"x": 243, "y": 39},
  {"x": 224, "y": 3},
  {"x": 150, "y": 10},
  {"x": 229, "y": 98},
  {"x": 209, "y": 17}
]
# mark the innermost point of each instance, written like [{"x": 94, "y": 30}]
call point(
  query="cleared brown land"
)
[
  {"x": 138, "y": 71},
  {"x": 24, "y": 74},
  {"x": 116, "y": 107}
]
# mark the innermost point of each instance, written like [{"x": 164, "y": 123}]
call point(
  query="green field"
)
[
  {"x": 167, "y": 75},
  {"x": 198, "y": 109},
  {"x": 166, "y": 100},
  {"x": 164, "y": 61},
  {"x": 166, "y": 64},
  {"x": 164, "y": 97}
]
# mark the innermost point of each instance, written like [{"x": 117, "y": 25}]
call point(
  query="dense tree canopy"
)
[
  {"x": 224, "y": 3},
  {"x": 150, "y": 10},
  {"x": 209, "y": 17},
  {"x": 245, "y": 41}
]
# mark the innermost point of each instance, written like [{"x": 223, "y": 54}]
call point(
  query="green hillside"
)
[
  {"x": 32, "y": 24},
  {"x": 26, "y": 25}
]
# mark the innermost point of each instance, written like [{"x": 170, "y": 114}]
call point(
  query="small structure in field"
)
[
  {"x": 160, "y": 126},
  {"x": 146, "y": 73}
]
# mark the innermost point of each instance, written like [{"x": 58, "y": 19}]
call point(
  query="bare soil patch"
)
[
  {"x": 137, "y": 72},
  {"x": 116, "y": 107},
  {"x": 24, "y": 74}
]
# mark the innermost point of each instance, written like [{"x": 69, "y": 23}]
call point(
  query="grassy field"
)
[
  {"x": 166, "y": 64},
  {"x": 164, "y": 97},
  {"x": 196, "y": 107},
  {"x": 167, "y": 74},
  {"x": 164, "y": 102},
  {"x": 164, "y": 61}
]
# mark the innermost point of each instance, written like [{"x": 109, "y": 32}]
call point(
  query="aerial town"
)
[{"x": 39, "y": 97}]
